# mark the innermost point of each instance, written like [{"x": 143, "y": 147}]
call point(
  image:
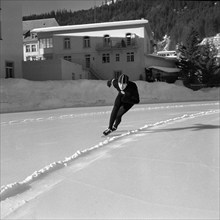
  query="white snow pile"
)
[{"x": 24, "y": 95}]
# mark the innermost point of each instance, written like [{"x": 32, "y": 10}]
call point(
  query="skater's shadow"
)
[{"x": 196, "y": 127}]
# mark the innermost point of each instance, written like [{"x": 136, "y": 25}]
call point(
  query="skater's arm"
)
[
  {"x": 110, "y": 82},
  {"x": 113, "y": 82}
]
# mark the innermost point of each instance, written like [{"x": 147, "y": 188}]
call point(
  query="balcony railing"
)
[{"x": 117, "y": 45}]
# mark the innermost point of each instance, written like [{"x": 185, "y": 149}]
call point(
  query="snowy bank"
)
[{"x": 24, "y": 95}]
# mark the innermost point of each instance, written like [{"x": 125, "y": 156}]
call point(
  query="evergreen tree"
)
[
  {"x": 197, "y": 62},
  {"x": 206, "y": 62}
]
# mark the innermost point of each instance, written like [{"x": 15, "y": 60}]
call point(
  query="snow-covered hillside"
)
[{"x": 23, "y": 95}]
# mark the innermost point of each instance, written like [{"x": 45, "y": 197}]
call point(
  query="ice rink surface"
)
[{"x": 163, "y": 163}]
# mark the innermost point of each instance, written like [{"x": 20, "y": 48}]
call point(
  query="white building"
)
[
  {"x": 167, "y": 53},
  {"x": 104, "y": 50},
  {"x": 11, "y": 41},
  {"x": 30, "y": 41}
]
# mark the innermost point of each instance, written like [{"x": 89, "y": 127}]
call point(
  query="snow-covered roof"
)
[
  {"x": 39, "y": 23},
  {"x": 93, "y": 25},
  {"x": 165, "y": 69},
  {"x": 91, "y": 34}
]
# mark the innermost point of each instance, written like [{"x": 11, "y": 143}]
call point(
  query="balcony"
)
[{"x": 117, "y": 45}]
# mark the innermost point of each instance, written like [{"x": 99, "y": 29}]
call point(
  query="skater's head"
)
[{"x": 123, "y": 81}]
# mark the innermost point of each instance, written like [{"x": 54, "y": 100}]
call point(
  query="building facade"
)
[
  {"x": 104, "y": 50},
  {"x": 60, "y": 69},
  {"x": 30, "y": 41},
  {"x": 11, "y": 41}
]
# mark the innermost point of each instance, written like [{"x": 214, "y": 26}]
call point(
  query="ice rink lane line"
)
[
  {"x": 15, "y": 188},
  {"x": 51, "y": 118}
]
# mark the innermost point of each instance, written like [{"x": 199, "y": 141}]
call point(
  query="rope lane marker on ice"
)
[{"x": 69, "y": 116}]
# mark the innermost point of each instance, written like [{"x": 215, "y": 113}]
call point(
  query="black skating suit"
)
[{"x": 123, "y": 102}]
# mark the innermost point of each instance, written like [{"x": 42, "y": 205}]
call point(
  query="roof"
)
[
  {"x": 40, "y": 23},
  {"x": 170, "y": 58},
  {"x": 165, "y": 69},
  {"x": 91, "y": 26},
  {"x": 166, "y": 51},
  {"x": 90, "y": 34}
]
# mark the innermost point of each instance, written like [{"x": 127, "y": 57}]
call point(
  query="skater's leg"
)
[
  {"x": 112, "y": 119},
  {"x": 122, "y": 110},
  {"x": 113, "y": 115},
  {"x": 114, "y": 112}
]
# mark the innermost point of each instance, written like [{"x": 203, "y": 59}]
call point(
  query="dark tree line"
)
[{"x": 171, "y": 17}]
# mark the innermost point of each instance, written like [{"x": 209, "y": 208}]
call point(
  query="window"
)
[
  {"x": 46, "y": 43},
  {"x": 28, "y": 48},
  {"x": 33, "y": 48},
  {"x": 9, "y": 70},
  {"x": 33, "y": 35},
  {"x": 49, "y": 42},
  {"x": 117, "y": 74},
  {"x": 105, "y": 58},
  {"x": 107, "y": 40},
  {"x": 68, "y": 58},
  {"x": 130, "y": 57},
  {"x": 67, "y": 43},
  {"x": 86, "y": 42},
  {"x": 117, "y": 57},
  {"x": 87, "y": 60},
  {"x": 128, "y": 39},
  {"x": 42, "y": 44},
  {"x": 73, "y": 76},
  {"x": 0, "y": 21},
  {"x": 0, "y": 30}
]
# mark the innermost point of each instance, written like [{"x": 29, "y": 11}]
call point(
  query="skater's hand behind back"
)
[{"x": 109, "y": 82}]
